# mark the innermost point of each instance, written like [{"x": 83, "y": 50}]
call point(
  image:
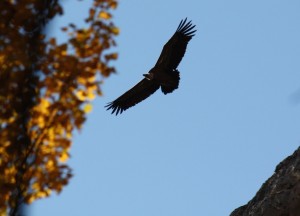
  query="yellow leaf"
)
[
  {"x": 2, "y": 58},
  {"x": 82, "y": 80},
  {"x": 51, "y": 133},
  {"x": 50, "y": 165},
  {"x": 83, "y": 34},
  {"x": 104, "y": 15},
  {"x": 10, "y": 173},
  {"x": 64, "y": 157},
  {"x": 3, "y": 211},
  {"x": 81, "y": 95},
  {"x": 92, "y": 88},
  {"x": 31, "y": 199},
  {"x": 113, "y": 5},
  {"x": 36, "y": 186},
  {"x": 69, "y": 135},
  {"x": 115, "y": 30},
  {"x": 41, "y": 121},
  {"x": 42, "y": 194},
  {"x": 43, "y": 106},
  {"x": 87, "y": 108},
  {"x": 91, "y": 95},
  {"x": 91, "y": 79},
  {"x": 64, "y": 53},
  {"x": 11, "y": 119}
]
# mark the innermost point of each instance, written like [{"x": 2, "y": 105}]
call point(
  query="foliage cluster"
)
[{"x": 46, "y": 91}]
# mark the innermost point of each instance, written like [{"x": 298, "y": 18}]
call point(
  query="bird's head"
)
[{"x": 148, "y": 76}]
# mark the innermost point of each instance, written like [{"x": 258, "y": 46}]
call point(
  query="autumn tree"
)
[{"x": 46, "y": 90}]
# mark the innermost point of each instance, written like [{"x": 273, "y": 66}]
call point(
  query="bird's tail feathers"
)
[{"x": 173, "y": 84}]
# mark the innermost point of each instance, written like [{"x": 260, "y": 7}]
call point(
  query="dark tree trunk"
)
[{"x": 280, "y": 194}]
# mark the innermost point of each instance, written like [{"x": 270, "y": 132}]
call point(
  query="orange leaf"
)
[
  {"x": 87, "y": 108},
  {"x": 104, "y": 15}
]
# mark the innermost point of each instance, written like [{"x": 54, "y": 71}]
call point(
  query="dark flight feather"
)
[
  {"x": 136, "y": 94},
  {"x": 175, "y": 48},
  {"x": 164, "y": 74}
]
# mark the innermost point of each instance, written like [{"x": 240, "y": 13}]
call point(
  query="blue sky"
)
[{"x": 206, "y": 148}]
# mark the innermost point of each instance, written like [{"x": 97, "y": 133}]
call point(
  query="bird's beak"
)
[{"x": 146, "y": 76}]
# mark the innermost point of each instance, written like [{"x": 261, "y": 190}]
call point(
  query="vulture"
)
[{"x": 163, "y": 75}]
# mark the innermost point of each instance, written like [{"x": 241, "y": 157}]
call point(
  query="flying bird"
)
[{"x": 163, "y": 75}]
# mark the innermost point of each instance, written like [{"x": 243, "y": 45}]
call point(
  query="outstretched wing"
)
[
  {"x": 174, "y": 49},
  {"x": 136, "y": 94}
]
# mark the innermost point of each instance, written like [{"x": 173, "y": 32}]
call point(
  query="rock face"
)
[{"x": 280, "y": 194}]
